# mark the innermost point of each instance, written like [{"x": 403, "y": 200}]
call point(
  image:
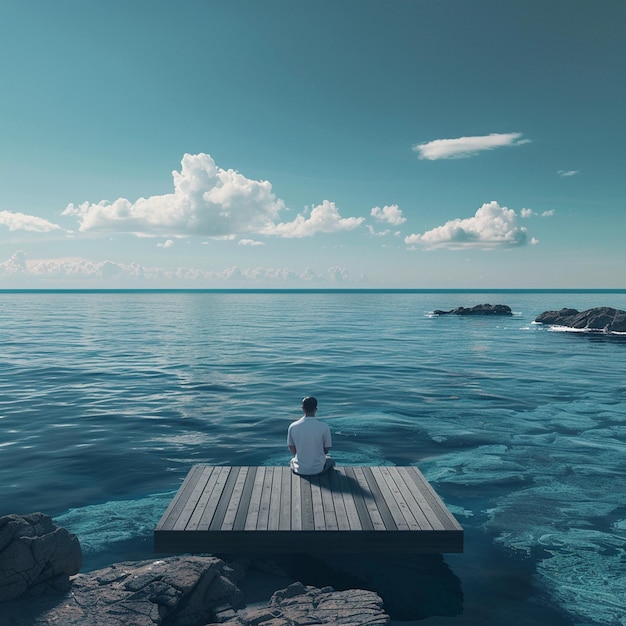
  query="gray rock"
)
[
  {"x": 603, "y": 319},
  {"x": 299, "y": 604},
  {"x": 176, "y": 591},
  {"x": 479, "y": 309},
  {"x": 35, "y": 555}
]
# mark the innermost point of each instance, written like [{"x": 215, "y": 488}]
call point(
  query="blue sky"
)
[{"x": 313, "y": 144}]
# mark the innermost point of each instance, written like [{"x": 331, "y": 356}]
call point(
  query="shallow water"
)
[{"x": 106, "y": 399}]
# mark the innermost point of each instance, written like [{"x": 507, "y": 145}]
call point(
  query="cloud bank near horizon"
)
[
  {"x": 76, "y": 268},
  {"x": 464, "y": 147}
]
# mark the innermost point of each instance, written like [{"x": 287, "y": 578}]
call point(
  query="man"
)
[{"x": 309, "y": 441}]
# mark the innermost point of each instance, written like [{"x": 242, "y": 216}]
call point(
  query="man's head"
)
[{"x": 309, "y": 405}]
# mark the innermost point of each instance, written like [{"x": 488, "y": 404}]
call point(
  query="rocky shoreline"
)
[{"x": 41, "y": 585}]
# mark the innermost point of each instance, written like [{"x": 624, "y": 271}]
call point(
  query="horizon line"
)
[{"x": 306, "y": 290}]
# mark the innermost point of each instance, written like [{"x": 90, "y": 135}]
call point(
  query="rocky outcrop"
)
[
  {"x": 479, "y": 309},
  {"x": 299, "y": 604},
  {"x": 176, "y": 591},
  {"x": 35, "y": 556},
  {"x": 601, "y": 319}
]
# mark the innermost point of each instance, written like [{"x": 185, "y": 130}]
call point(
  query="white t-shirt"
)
[{"x": 310, "y": 437}]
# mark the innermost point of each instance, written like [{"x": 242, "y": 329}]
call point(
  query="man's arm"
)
[{"x": 292, "y": 449}]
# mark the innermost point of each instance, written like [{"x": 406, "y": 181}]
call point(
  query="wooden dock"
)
[{"x": 224, "y": 509}]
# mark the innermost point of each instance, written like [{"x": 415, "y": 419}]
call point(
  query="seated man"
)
[{"x": 309, "y": 441}]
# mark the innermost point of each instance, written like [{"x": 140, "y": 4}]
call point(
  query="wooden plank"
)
[
  {"x": 397, "y": 488},
  {"x": 358, "y": 497},
  {"x": 413, "y": 496},
  {"x": 225, "y": 499},
  {"x": 376, "y": 507},
  {"x": 306, "y": 500},
  {"x": 252, "y": 516},
  {"x": 275, "y": 500},
  {"x": 433, "y": 501},
  {"x": 338, "y": 501},
  {"x": 266, "y": 494},
  {"x": 330, "y": 515},
  {"x": 246, "y": 496},
  {"x": 209, "y": 510},
  {"x": 319, "y": 522},
  {"x": 384, "y": 497},
  {"x": 296, "y": 501},
  {"x": 182, "y": 495},
  {"x": 196, "y": 500},
  {"x": 234, "y": 501},
  {"x": 284, "y": 519},
  {"x": 352, "y": 513}
]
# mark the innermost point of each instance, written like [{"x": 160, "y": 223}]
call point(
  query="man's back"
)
[{"x": 311, "y": 439}]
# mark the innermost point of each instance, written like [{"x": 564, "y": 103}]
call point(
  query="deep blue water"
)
[{"x": 107, "y": 398}]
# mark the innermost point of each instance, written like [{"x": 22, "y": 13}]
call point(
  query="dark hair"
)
[{"x": 309, "y": 404}]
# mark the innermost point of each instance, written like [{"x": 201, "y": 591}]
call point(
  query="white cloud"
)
[
  {"x": 207, "y": 200},
  {"x": 464, "y": 147},
  {"x": 492, "y": 226},
  {"x": 250, "y": 242},
  {"x": 567, "y": 173},
  {"x": 166, "y": 244},
  {"x": 526, "y": 213},
  {"x": 338, "y": 274},
  {"x": 390, "y": 214},
  {"x": 549, "y": 213},
  {"x": 21, "y": 221},
  {"x": 324, "y": 218}
]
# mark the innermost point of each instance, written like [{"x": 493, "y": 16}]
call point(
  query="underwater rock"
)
[
  {"x": 604, "y": 319},
  {"x": 479, "y": 309},
  {"x": 35, "y": 555},
  {"x": 300, "y": 604}
]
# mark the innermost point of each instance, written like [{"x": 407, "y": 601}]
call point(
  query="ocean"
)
[{"x": 108, "y": 397}]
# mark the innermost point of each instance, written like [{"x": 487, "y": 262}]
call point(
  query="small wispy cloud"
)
[
  {"x": 567, "y": 173},
  {"x": 166, "y": 244},
  {"x": 464, "y": 147},
  {"x": 492, "y": 226},
  {"x": 390, "y": 214},
  {"x": 250, "y": 242}
]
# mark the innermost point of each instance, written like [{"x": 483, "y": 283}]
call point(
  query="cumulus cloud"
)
[
  {"x": 567, "y": 173},
  {"x": 324, "y": 218},
  {"x": 390, "y": 214},
  {"x": 212, "y": 202},
  {"x": 463, "y": 147},
  {"x": 21, "y": 221},
  {"x": 166, "y": 244},
  {"x": 207, "y": 200},
  {"x": 250, "y": 242},
  {"x": 492, "y": 226},
  {"x": 549, "y": 213}
]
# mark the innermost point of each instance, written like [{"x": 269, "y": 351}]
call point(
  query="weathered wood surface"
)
[{"x": 222, "y": 509}]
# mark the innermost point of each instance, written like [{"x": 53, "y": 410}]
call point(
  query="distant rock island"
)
[
  {"x": 601, "y": 319},
  {"x": 479, "y": 309}
]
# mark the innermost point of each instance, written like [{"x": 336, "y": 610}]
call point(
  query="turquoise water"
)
[{"x": 107, "y": 398}]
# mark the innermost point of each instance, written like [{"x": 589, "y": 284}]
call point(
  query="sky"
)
[{"x": 411, "y": 144}]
